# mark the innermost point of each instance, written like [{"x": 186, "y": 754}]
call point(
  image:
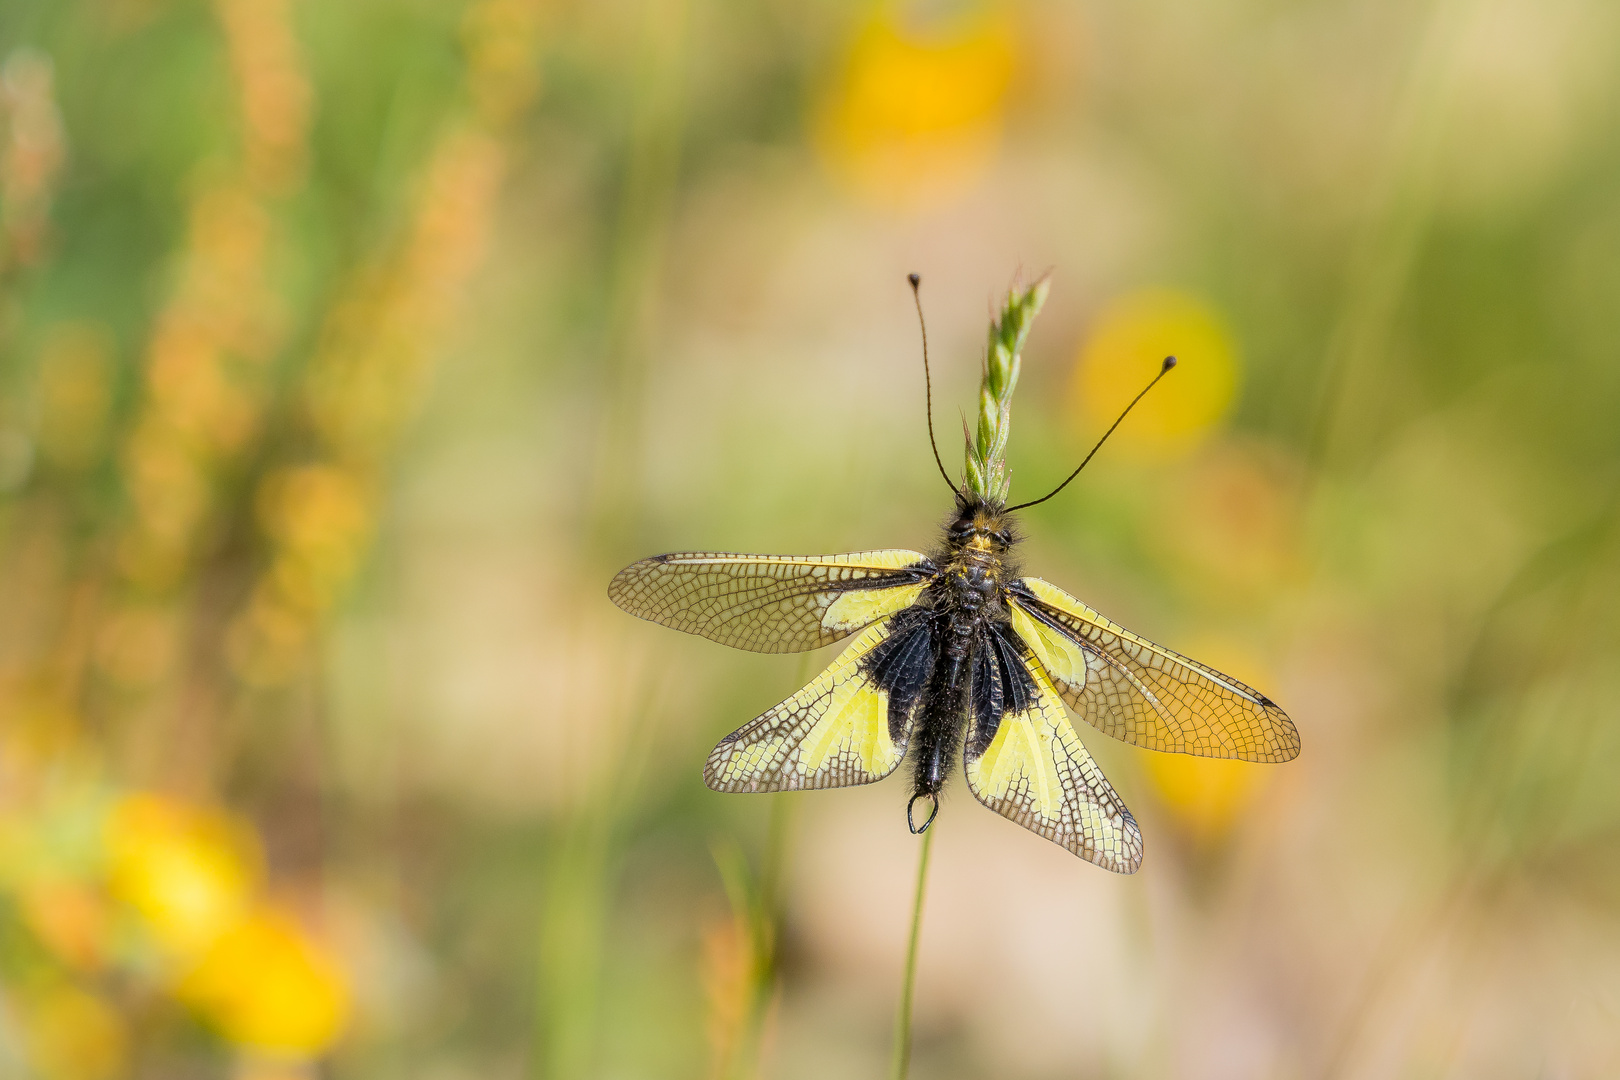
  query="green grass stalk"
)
[
  {"x": 576, "y": 907},
  {"x": 901, "y": 1064}
]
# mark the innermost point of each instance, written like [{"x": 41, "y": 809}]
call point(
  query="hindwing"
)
[
  {"x": 849, "y": 726},
  {"x": 771, "y": 603},
  {"x": 1024, "y": 760},
  {"x": 1142, "y": 693}
]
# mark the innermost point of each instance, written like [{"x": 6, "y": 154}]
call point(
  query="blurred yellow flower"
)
[
  {"x": 915, "y": 117},
  {"x": 188, "y": 872},
  {"x": 266, "y": 986},
  {"x": 1207, "y": 796},
  {"x": 71, "y": 1034},
  {"x": 1129, "y": 340}
]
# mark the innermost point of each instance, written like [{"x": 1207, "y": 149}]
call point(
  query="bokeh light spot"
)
[
  {"x": 267, "y": 986},
  {"x": 915, "y": 117},
  {"x": 187, "y": 871}
]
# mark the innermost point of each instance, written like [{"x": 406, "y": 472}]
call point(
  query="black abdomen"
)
[{"x": 942, "y": 713}]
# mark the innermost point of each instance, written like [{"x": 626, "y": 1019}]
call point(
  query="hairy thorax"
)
[{"x": 978, "y": 542}]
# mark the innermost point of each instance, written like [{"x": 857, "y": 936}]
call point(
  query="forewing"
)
[
  {"x": 771, "y": 603},
  {"x": 1024, "y": 761},
  {"x": 1142, "y": 693},
  {"x": 850, "y": 726}
]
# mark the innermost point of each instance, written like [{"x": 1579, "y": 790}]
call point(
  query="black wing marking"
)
[{"x": 1024, "y": 761}]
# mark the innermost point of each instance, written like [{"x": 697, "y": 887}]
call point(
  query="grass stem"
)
[{"x": 902, "y": 1024}]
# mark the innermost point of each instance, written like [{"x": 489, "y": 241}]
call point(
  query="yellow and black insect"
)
[{"x": 955, "y": 651}]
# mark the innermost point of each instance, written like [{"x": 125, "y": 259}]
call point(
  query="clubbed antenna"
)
[
  {"x": 1164, "y": 369},
  {"x": 987, "y": 476},
  {"x": 928, "y": 380}
]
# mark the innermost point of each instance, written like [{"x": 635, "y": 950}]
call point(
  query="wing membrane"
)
[
  {"x": 850, "y": 726},
  {"x": 1142, "y": 693},
  {"x": 1024, "y": 761},
  {"x": 771, "y": 603}
]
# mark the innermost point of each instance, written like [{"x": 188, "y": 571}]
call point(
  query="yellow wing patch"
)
[
  {"x": 1144, "y": 694},
  {"x": 1063, "y": 660},
  {"x": 859, "y": 607},
  {"x": 771, "y": 603},
  {"x": 833, "y": 733},
  {"x": 1021, "y": 750},
  {"x": 1036, "y": 772}
]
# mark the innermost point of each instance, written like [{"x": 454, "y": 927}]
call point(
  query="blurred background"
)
[{"x": 346, "y": 350}]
